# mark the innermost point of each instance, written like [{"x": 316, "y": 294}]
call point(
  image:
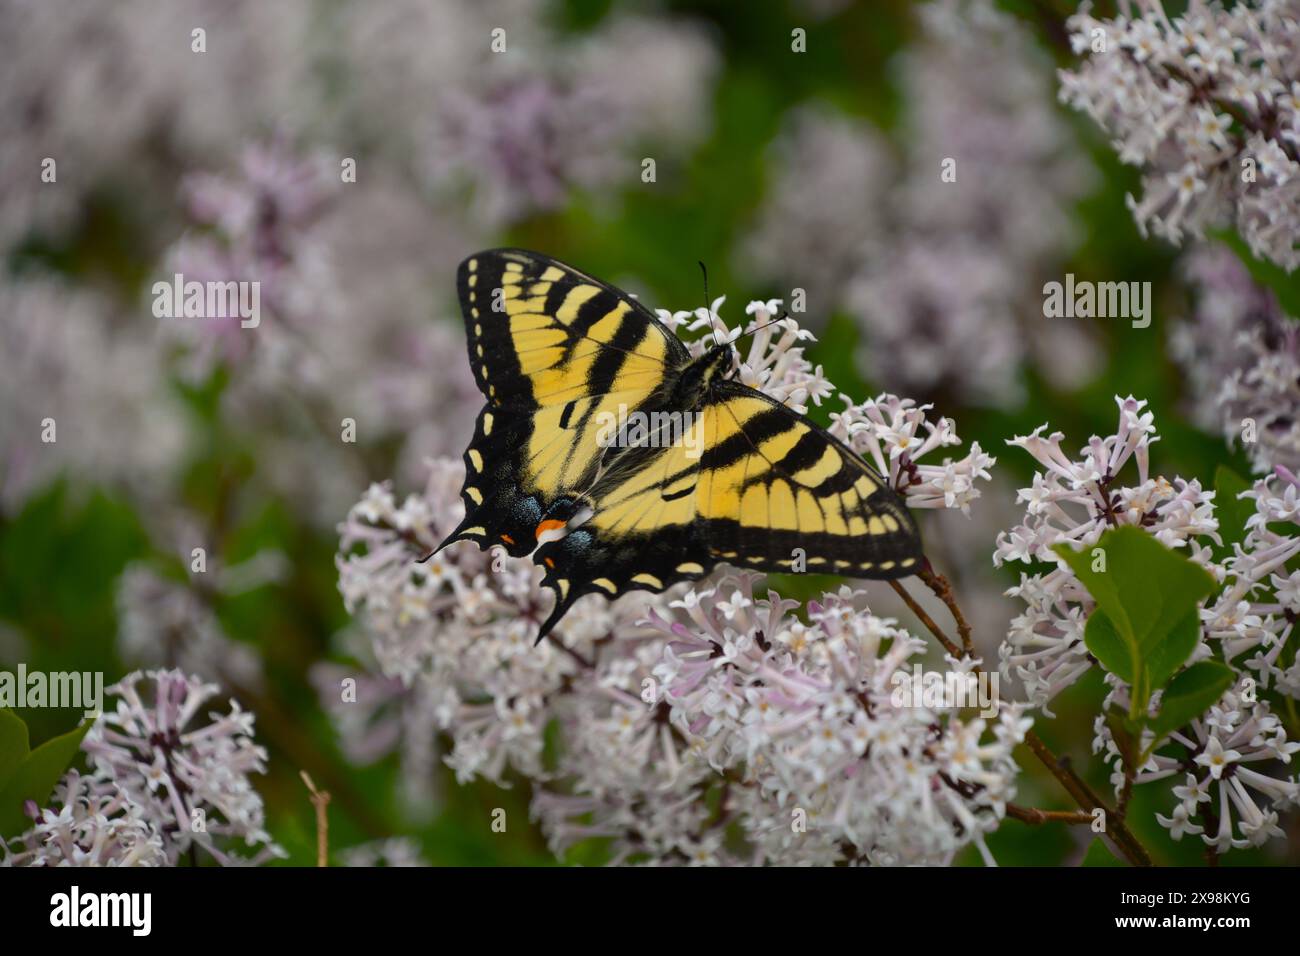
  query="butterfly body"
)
[
  {"x": 702, "y": 470},
  {"x": 700, "y": 375}
]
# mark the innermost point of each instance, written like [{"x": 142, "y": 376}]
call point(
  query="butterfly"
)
[{"x": 606, "y": 508}]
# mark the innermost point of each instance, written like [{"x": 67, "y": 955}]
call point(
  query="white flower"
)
[
  {"x": 894, "y": 434},
  {"x": 177, "y": 770},
  {"x": 98, "y": 824},
  {"x": 1168, "y": 108},
  {"x": 806, "y": 716},
  {"x": 1215, "y": 758},
  {"x": 1241, "y": 353},
  {"x": 1074, "y": 501},
  {"x": 1233, "y": 760},
  {"x": 938, "y": 274}
]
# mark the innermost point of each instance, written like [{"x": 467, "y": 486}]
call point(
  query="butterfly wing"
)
[
  {"x": 778, "y": 492},
  {"x": 551, "y": 349},
  {"x": 770, "y": 491},
  {"x": 642, "y": 533}
]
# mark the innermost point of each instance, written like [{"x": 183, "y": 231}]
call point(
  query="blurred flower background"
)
[{"x": 225, "y": 520}]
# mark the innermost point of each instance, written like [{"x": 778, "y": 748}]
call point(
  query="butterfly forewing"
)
[{"x": 551, "y": 350}]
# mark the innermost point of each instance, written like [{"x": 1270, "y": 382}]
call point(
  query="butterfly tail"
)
[
  {"x": 461, "y": 533},
  {"x": 563, "y": 602}
]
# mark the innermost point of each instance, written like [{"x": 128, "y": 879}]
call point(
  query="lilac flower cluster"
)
[
  {"x": 1241, "y": 354},
  {"x": 484, "y": 93},
  {"x": 119, "y": 94},
  {"x": 1248, "y": 623},
  {"x": 351, "y": 253},
  {"x": 268, "y": 146},
  {"x": 1208, "y": 105},
  {"x": 799, "y": 726},
  {"x": 1232, "y": 761},
  {"x": 457, "y": 631},
  {"x": 161, "y": 787},
  {"x": 96, "y": 824},
  {"x": 521, "y": 133},
  {"x": 662, "y": 699},
  {"x": 1255, "y": 613},
  {"x": 167, "y": 623},
  {"x": 324, "y": 254},
  {"x": 943, "y": 270},
  {"x": 1074, "y": 501},
  {"x": 394, "y": 851},
  {"x": 80, "y": 394}
]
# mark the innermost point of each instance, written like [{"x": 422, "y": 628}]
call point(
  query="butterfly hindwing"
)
[
  {"x": 776, "y": 492},
  {"x": 552, "y": 349},
  {"x": 768, "y": 491},
  {"x": 642, "y": 534},
  {"x": 498, "y": 511}
]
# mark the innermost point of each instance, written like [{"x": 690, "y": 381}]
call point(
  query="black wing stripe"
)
[
  {"x": 806, "y": 452},
  {"x": 592, "y": 311}
]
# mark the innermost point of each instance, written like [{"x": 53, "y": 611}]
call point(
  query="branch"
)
[
  {"x": 1035, "y": 816},
  {"x": 1125, "y": 842},
  {"x": 925, "y": 619},
  {"x": 1087, "y": 799},
  {"x": 585, "y": 664},
  {"x": 1126, "y": 791},
  {"x": 320, "y": 800},
  {"x": 943, "y": 591}
]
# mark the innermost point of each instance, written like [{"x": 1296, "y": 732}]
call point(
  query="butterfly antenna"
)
[
  {"x": 765, "y": 325},
  {"x": 705, "y": 272}
]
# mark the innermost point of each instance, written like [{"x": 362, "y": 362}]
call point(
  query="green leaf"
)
[
  {"x": 35, "y": 778},
  {"x": 1149, "y": 595},
  {"x": 1191, "y": 694},
  {"x": 1232, "y": 512},
  {"x": 1122, "y": 729},
  {"x": 1107, "y": 645},
  {"x": 13, "y": 744},
  {"x": 1165, "y": 658},
  {"x": 1099, "y": 855}
]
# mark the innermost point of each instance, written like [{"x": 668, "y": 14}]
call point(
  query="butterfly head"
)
[
  {"x": 701, "y": 374},
  {"x": 715, "y": 364}
]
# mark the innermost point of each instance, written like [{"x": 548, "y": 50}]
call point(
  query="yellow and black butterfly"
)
[{"x": 557, "y": 353}]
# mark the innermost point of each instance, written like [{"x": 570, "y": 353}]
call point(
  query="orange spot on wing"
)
[
  {"x": 550, "y": 563},
  {"x": 549, "y": 525},
  {"x": 507, "y": 539}
]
